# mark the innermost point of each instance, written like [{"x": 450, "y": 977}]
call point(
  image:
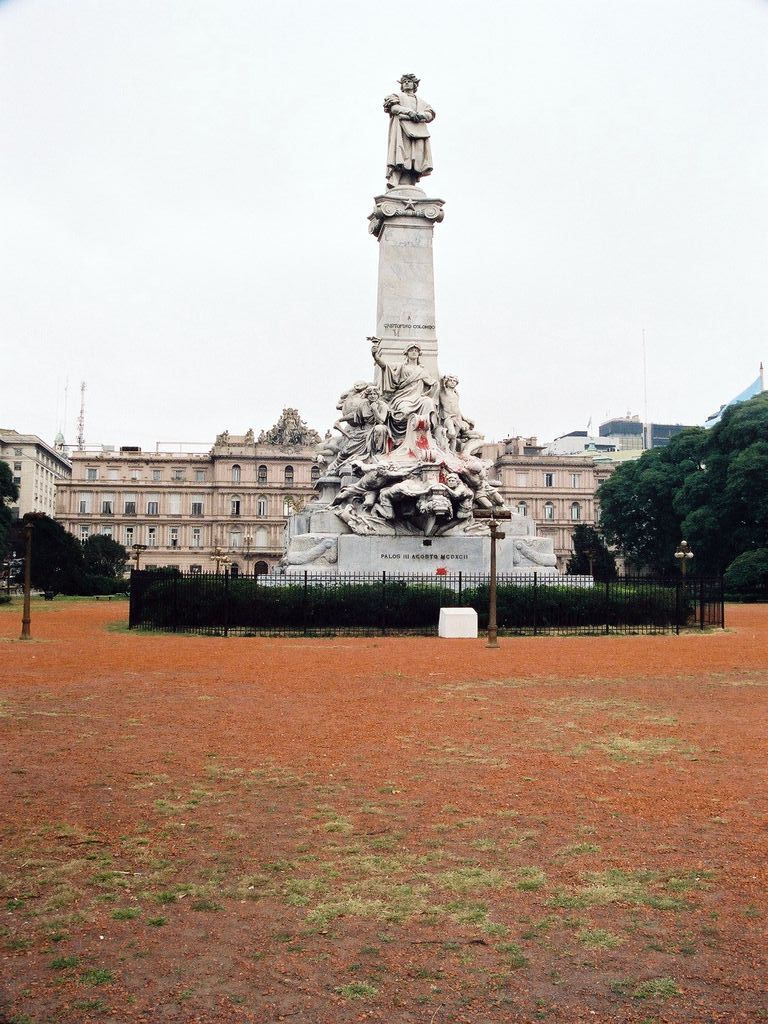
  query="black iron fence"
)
[{"x": 312, "y": 604}]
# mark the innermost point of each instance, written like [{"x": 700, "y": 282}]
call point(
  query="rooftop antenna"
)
[
  {"x": 762, "y": 379},
  {"x": 81, "y": 420},
  {"x": 63, "y": 424}
]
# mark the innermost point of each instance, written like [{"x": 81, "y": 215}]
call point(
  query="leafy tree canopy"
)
[
  {"x": 707, "y": 486},
  {"x": 8, "y": 492},
  {"x": 103, "y": 556},
  {"x": 57, "y": 556},
  {"x": 588, "y": 542}
]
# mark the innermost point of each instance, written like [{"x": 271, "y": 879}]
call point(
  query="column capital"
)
[{"x": 405, "y": 201}]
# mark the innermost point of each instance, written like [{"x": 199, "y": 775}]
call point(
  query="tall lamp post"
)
[
  {"x": 25, "y": 615},
  {"x": 137, "y": 549},
  {"x": 683, "y": 554},
  {"x": 220, "y": 558},
  {"x": 493, "y": 514},
  {"x": 248, "y": 554}
]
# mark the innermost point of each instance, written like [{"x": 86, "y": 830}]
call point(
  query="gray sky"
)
[{"x": 184, "y": 189}]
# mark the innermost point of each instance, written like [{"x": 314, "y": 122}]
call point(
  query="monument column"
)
[{"x": 403, "y": 220}]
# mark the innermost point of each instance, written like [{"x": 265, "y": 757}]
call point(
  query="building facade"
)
[
  {"x": 557, "y": 492},
  {"x": 189, "y": 510},
  {"x": 37, "y": 469}
]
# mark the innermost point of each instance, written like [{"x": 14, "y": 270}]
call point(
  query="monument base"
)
[{"x": 423, "y": 556}]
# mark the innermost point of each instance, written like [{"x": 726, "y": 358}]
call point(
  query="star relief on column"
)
[{"x": 390, "y": 205}]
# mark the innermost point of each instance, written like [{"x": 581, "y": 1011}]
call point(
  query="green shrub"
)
[{"x": 746, "y": 578}]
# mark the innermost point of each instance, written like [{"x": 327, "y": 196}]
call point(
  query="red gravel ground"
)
[{"x": 390, "y": 830}]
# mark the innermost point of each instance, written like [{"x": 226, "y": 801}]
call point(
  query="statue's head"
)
[
  {"x": 452, "y": 480},
  {"x": 449, "y": 381},
  {"x": 373, "y": 391},
  {"x": 413, "y": 353},
  {"x": 409, "y": 83},
  {"x": 360, "y": 385}
]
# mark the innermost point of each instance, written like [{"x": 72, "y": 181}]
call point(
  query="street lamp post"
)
[
  {"x": 220, "y": 558},
  {"x": 492, "y": 514},
  {"x": 248, "y": 554},
  {"x": 137, "y": 549},
  {"x": 25, "y": 616},
  {"x": 683, "y": 554}
]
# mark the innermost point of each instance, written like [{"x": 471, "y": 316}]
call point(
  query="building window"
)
[
  {"x": 199, "y": 475},
  {"x": 196, "y": 537},
  {"x": 178, "y": 474},
  {"x": 549, "y": 479},
  {"x": 522, "y": 508},
  {"x": 575, "y": 479},
  {"x": 173, "y": 536},
  {"x": 234, "y": 506},
  {"x": 135, "y": 474},
  {"x": 107, "y": 504},
  {"x": 549, "y": 511},
  {"x": 128, "y": 536},
  {"x": 521, "y": 479},
  {"x": 152, "y": 536},
  {"x": 197, "y": 506},
  {"x": 289, "y": 474},
  {"x": 174, "y": 504},
  {"x": 235, "y": 474},
  {"x": 314, "y": 473},
  {"x": 153, "y": 505},
  {"x": 157, "y": 474},
  {"x": 106, "y": 531},
  {"x": 91, "y": 474},
  {"x": 575, "y": 511},
  {"x": 235, "y": 539},
  {"x": 111, "y": 474},
  {"x": 17, "y": 451},
  {"x": 84, "y": 531},
  {"x": 288, "y": 506},
  {"x": 261, "y": 507},
  {"x": 262, "y": 537},
  {"x": 261, "y": 474},
  {"x": 84, "y": 504},
  {"x": 17, "y": 480},
  {"x": 129, "y": 505},
  {"x": 17, "y": 466},
  {"x": 261, "y": 568},
  {"x": 195, "y": 570}
]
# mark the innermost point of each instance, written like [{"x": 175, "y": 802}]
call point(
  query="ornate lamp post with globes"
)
[{"x": 683, "y": 556}]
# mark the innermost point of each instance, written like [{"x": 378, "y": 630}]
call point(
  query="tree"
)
[
  {"x": 637, "y": 511},
  {"x": 57, "y": 557},
  {"x": 707, "y": 486},
  {"x": 8, "y": 492},
  {"x": 747, "y": 575},
  {"x": 103, "y": 556},
  {"x": 587, "y": 541}
]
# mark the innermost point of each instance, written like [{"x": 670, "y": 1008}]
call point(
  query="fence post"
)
[
  {"x": 721, "y": 595},
  {"x": 701, "y": 603},
  {"x": 304, "y": 603},
  {"x": 461, "y": 585},
  {"x": 131, "y": 598},
  {"x": 607, "y": 607},
  {"x": 384, "y": 603},
  {"x": 677, "y": 607},
  {"x": 226, "y": 601},
  {"x": 535, "y": 603}
]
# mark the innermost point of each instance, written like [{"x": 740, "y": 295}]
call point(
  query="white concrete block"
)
[{"x": 457, "y": 622}]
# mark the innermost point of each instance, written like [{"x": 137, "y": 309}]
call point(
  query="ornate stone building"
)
[
  {"x": 557, "y": 491},
  {"x": 234, "y": 499},
  {"x": 37, "y": 469}
]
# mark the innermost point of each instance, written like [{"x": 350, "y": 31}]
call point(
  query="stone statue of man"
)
[{"x": 409, "y": 156}]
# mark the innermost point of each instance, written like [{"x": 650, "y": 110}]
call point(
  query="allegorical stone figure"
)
[{"x": 409, "y": 155}]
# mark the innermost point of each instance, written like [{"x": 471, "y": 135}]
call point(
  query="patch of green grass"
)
[
  {"x": 599, "y": 938},
  {"x": 470, "y": 879},
  {"x": 18, "y": 944},
  {"x": 578, "y": 849},
  {"x": 512, "y": 954},
  {"x": 90, "y": 1004},
  {"x": 656, "y": 988},
  {"x": 157, "y": 922},
  {"x": 635, "y": 751},
  {"x": 205, "y": 904},
  {"x": 126, "y": 913},
  {"x": 619, "y": 886},
  {"x": 63, "y": 963},
  {"x": 529, "y": 879},
  {"x": 166, "y": 897},
  {"x": 97, "y": 976},
  {"x": 358, "y": 990}
]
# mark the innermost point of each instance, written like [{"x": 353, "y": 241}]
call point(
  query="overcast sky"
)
[{"x": 184, "y": 189}]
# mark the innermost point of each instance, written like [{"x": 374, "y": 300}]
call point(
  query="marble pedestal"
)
[{"x": 403, "y": 221}]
